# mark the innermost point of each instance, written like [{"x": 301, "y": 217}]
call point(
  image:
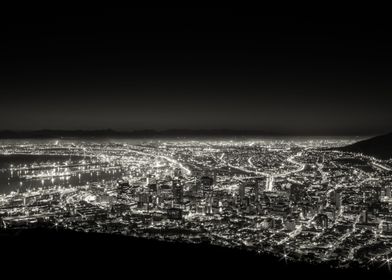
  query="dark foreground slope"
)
[
  {"x": 379, "y": 147},
  {"x": 54, "y": 253}
]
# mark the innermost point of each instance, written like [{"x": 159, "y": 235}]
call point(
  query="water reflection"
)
[{"x": 21, "y": 172}]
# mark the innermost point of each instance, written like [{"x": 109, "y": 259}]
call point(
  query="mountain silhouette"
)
[
  {"x": 107, "y": 133},
  {"x": 379, "y": 147}
]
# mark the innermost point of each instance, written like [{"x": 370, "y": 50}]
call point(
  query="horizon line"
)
[{"x": 179, "y": 131}]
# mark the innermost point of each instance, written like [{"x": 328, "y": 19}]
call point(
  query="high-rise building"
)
[
  {"x": 388, "y": 191},
  {"x": 206, "y": 184},
  {"x": 178, "y": 192},
  {"x": 241, "y": 192},
  {"x": 322, "y": 221},
  {"x": 338, "y": 200},
  {"x": 364, "y": 216}
]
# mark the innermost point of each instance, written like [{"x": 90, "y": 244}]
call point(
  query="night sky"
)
[{"x": 196, "y": 69}]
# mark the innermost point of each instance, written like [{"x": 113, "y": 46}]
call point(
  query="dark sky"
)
[{"x": 198, "y": 69}]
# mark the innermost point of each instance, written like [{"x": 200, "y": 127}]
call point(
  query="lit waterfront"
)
[{"x": 297, "y": 197}]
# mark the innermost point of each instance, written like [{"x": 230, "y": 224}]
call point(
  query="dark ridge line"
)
[
  {"x": 53, "y": 245},
  {"x": 379, "y": 147}
]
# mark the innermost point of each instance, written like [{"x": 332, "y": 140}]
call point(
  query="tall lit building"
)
[
  {"x": 338, "y": 200},
  {"x": 388, "y": 191},
  {"x": 178, "y": 192}
]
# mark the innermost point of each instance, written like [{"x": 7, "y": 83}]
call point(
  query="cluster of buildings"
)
[{"x": 336, "y": 208}]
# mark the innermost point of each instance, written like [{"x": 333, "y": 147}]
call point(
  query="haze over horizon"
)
[{"x": 196, "y": 69}]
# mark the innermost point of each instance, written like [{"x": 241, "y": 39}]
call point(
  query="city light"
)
[{"x": 297, "y": 197}]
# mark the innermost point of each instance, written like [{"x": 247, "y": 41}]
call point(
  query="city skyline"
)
[{"x": 303, "y": 201}]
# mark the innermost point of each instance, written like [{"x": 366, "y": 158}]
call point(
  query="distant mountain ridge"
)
[
  {"x": 106, "y": 133},
  {"x": 145, "y": 133},
  {"x": 379, "y": 147}
]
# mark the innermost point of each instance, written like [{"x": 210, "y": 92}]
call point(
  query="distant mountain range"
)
[
  {"x": 109, "y": 133},
  {"x": 150, "y": 133},
  {"x": 379, "y": 147}
]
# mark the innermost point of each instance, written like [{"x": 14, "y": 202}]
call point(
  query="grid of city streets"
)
[{"x": 300, "y": 200}]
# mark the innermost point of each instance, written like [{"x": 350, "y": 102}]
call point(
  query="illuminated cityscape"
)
[{"x": 301, "y": 199}]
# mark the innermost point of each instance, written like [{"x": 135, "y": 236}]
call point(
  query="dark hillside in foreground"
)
[
  {"x": 64, "y": 251},
  {"x": 379, "y": 147}
]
